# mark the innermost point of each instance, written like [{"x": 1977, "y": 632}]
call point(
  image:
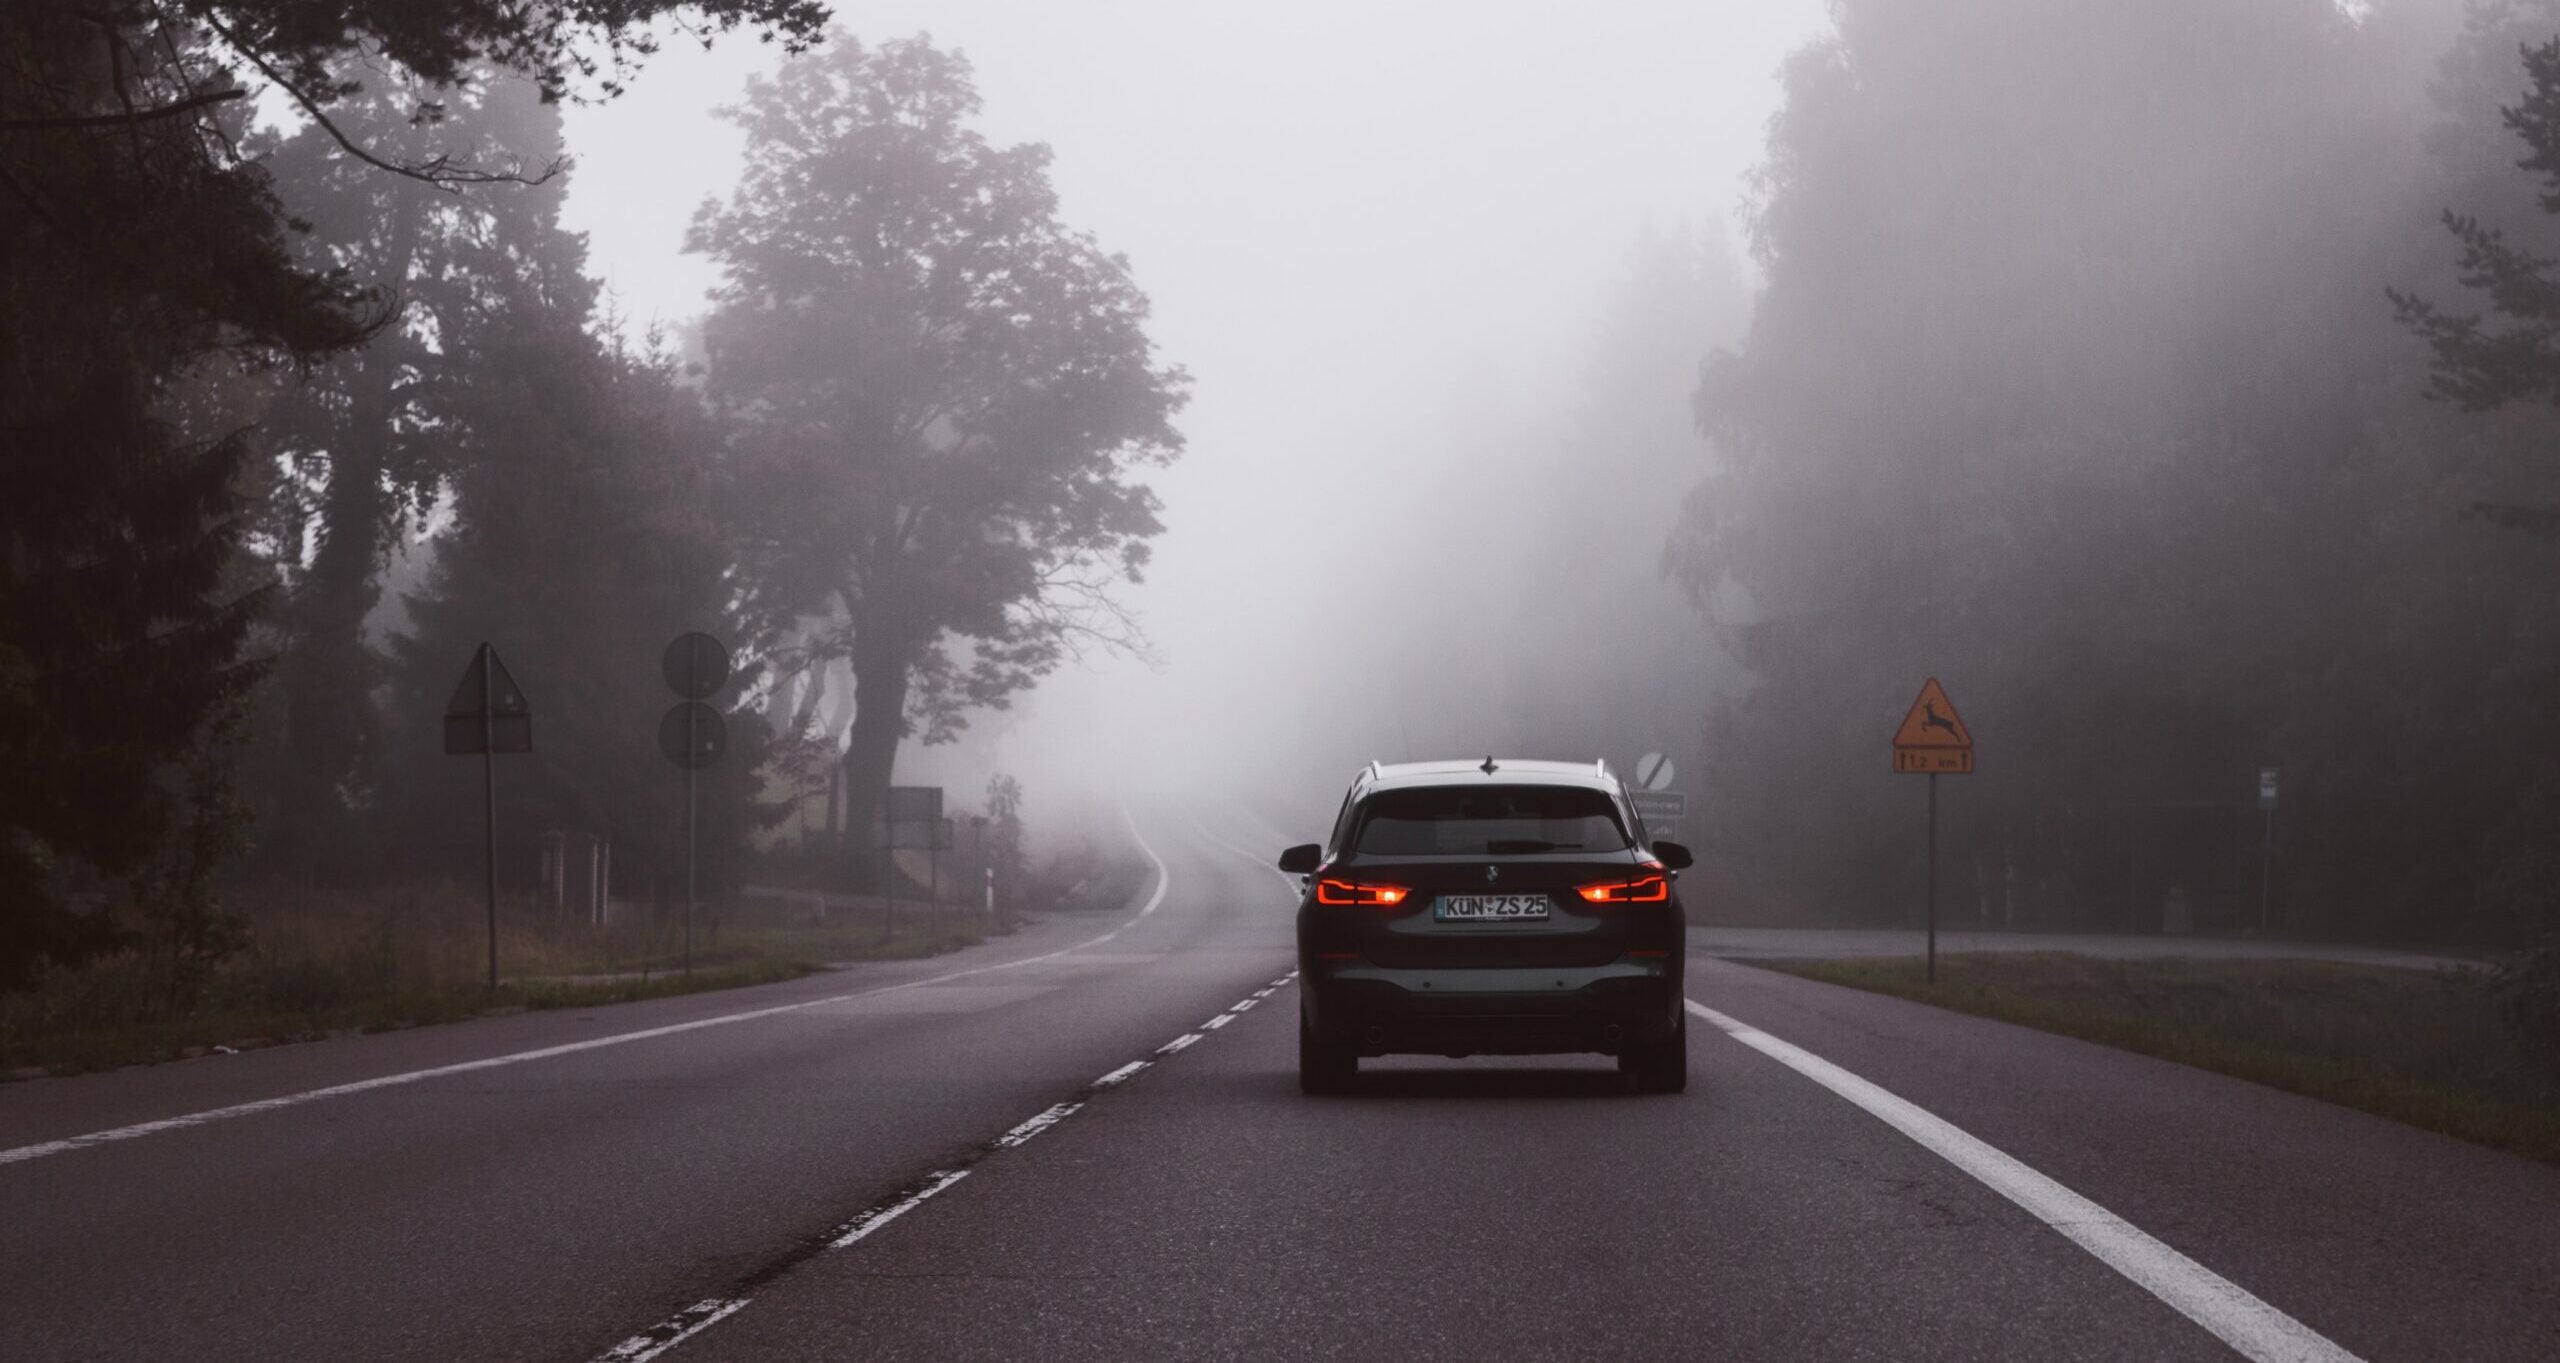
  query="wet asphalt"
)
[{"x": 1199, "y": 1207}]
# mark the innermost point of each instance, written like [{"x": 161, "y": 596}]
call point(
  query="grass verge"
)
[
  {"x": 339, "y": 964},
  {"x": 2429, "y": 1048}
]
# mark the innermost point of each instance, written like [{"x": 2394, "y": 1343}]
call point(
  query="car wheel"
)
[
  {"x": 1323, "y": 1068},
  {"x": 1659, "y": 1066}
]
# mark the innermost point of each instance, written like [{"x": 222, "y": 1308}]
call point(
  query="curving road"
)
[{"x": 1085, "y": 1142}]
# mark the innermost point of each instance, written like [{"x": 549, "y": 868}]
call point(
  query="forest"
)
[
  {"x": 2184, "y": 406},
  {"x": 2186, "y": 409},
  {"x": 301, "y": 410}
]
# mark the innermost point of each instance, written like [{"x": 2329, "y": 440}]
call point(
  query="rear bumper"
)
[{"x": 1379, "y": 1010}]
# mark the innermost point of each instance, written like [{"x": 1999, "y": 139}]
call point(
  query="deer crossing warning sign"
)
[{"x": 1933, "y": 739}]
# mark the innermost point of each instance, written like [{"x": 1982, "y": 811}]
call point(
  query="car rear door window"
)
[{"x": 1488, "y": 821}]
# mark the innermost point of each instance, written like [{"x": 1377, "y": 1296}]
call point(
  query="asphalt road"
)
[{"x": 674, "y": 1179}]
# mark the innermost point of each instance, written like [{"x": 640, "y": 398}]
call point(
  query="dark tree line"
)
[
  {"x": 294, "y": 420},
  {"x": 2075, "y": 384}
]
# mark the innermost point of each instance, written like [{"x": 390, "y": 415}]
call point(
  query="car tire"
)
[
  {"x": 1659, "y": 1066},
  {"x": 1323, "y": 1068}
]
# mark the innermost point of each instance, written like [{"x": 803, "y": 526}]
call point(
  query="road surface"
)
[{"x": 1085, "y": 1142}]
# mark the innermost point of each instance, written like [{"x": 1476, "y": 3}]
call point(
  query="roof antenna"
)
[{"x": 1487, "y": 768}]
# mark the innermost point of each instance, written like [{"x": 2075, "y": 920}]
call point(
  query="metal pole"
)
[
  {"x": 692, "y": 754},
  {"x": 1933, "y": 877},
  {"x": 489, "y": 799}
]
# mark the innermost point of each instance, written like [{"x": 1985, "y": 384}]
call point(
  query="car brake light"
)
[
  {"x": 1371, "y": 893},
  {"x": 1641, "y": 890}
]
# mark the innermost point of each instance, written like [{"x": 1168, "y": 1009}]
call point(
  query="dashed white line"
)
[
  {"x": 871, "y": 1221},
  {"x": 1217, "y": 1022},
  {"x": 684, "y": 1325},
  {"x": 1037, "y": 1124},
  {"x": 1177, "y": 1043},
  {"x": 2254, "y": 1328},
  {"x": 1121, "y": 1073}
]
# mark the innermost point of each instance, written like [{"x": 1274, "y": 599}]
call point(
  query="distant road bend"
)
[{"x": 1086, "y": 1141}]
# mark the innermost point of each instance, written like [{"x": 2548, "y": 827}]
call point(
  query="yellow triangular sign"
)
[{"x": 1933, "y": 722}]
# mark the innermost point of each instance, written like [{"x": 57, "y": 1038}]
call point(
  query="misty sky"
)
[{"x": 1374, "y": 233}]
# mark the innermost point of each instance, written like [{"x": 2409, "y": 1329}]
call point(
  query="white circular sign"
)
[{"x": 1653, "y": 771}]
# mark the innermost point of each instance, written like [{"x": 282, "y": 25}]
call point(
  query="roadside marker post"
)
[
  {"x": 1933, "y": 741},
  {"x": 2266, "y": 844}
]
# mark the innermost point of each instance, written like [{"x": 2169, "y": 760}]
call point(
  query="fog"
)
[
  {"x": 2171, "y": 382},
  {"x": 1390, "y": 243}
]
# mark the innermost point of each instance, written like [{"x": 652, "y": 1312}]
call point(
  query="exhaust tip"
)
[
  {"x": 1375, "y": 1036},
  {"x": 1613, "y": 1034}
]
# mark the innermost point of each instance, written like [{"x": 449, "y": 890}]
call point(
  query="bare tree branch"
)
[
  {"x": 172, "y": 110},
  {"x": 439, "y": 171}
]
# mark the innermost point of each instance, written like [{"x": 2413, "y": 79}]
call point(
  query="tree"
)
[
  {"x": 939, "y": 391},
  {"x": 136, "y": 241},
  {"x": 581, "y": 545},
  {"x": 370, "y": 437},
  {"x": 2064, "y": 387},
  {"x": 2480, "y": 365}
]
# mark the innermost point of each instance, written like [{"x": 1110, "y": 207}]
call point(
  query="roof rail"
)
[
  {"x": 1376, "y": 772},
  {"x": 1603, "y": 765}
]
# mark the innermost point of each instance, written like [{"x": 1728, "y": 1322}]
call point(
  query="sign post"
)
[
  {"x": 692, "y": 735},
  {"x": 1933, "y": 742},
  {"x": 488, "y": 715},
  {"x": 2266, "y": 843}
]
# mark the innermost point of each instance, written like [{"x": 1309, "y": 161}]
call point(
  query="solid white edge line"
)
[
  {"x": 1164, "y": 882},
  {"x": 640, "y": 1348},
  {"x": 857, "y": 1233},
  {"x": 2250, "y": 1326}
]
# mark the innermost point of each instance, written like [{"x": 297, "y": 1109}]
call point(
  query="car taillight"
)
[
  {"x": 1370, "y": 893},
  {"x": 1641, "y": 890}
]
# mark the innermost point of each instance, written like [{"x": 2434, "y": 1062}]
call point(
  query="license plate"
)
[{"x": 1486, "y": 908}]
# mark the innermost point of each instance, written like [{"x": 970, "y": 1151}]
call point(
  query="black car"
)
[{"x": 1490, "y": 908}]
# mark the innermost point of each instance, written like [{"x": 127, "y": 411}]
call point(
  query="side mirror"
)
[
  {"x": 1301, "y": 860},
  {"x": 1673, "y": 856}
]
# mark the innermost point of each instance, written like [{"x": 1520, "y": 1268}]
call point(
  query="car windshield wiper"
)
[{"x": 1508, "y": 846}]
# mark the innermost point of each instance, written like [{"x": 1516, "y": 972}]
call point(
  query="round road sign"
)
[
  {"x": 693, "y": 735},
  {"x": 1653, "y": 771},
  {"x": 694, "y": 665}
]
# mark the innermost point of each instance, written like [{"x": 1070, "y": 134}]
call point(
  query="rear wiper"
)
[{"x": 1508, "y": 846}]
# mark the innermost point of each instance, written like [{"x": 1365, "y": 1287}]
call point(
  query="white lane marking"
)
[
  {"x": 683, "y": 1325},
  {"x": 692, "y": 1320},
  {"x": 1217, "y": 1022},
  {"x": 1121, "y": 1073},
  {"x": 1243, "y": 1004},
  {"x": 1164, "y": 881},
  {"x": 2239, "y": 1319},
  {"x": 1035, "y": 1125},
  {"x": 864, "y": 1225}
]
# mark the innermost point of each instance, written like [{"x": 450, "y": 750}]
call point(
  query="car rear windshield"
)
[{"x": 1488, "y": 821}]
